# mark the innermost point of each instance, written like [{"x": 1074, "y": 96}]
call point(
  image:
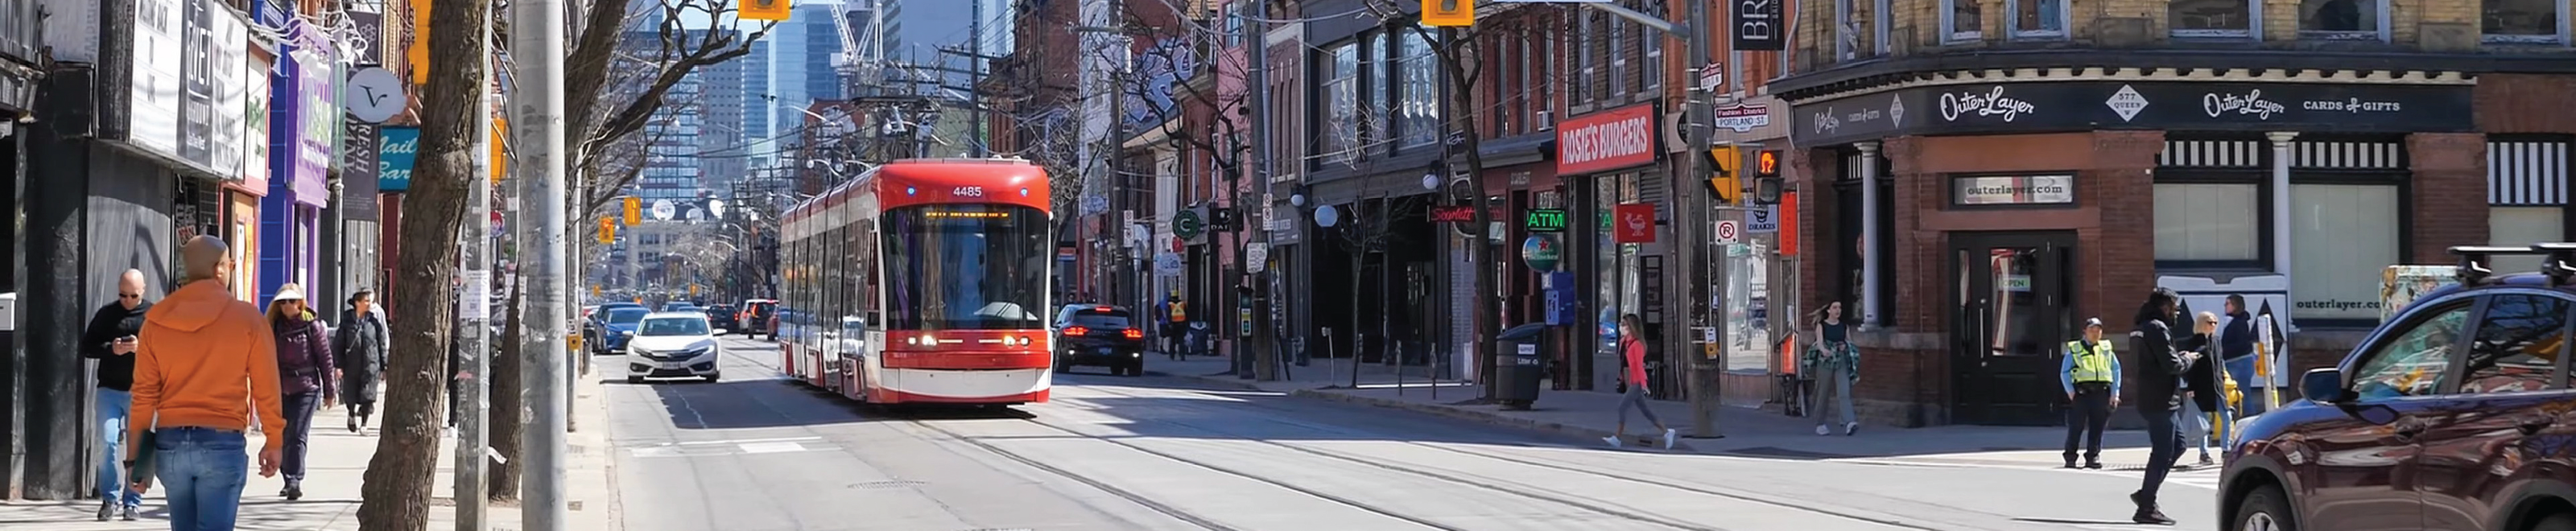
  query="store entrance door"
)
[{"x": 2010, "y": 318}]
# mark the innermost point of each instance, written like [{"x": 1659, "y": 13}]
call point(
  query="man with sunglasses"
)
[{"x": 110, "y": 339}]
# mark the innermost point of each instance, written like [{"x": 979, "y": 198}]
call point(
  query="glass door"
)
[{"x": 2010, "y": 319}]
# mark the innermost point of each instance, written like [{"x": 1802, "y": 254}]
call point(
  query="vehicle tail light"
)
[
  {"x": 1077, "y": 330},
  {"x": 1135, "y": 334}
]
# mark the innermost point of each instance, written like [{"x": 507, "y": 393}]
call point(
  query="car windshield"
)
[
  {"x": 626, "y": 315},
  {"x": 673, "y": 326}
]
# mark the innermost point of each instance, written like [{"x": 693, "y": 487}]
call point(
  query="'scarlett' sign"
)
[{"x": 1606, "y": 140}]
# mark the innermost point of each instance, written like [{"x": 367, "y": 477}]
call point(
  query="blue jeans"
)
[
  {"x": 2243, "y": 370},
  {"x": 113, "y": 409},
  {"x": 202, "y": 471}
]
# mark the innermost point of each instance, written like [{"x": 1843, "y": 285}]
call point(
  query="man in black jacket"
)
[
  {"x": 110, "y": 339},
  {"x": 2157, "y": 391}
]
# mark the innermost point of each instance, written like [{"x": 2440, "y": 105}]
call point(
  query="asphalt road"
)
[{"x": 760, "y": 453}]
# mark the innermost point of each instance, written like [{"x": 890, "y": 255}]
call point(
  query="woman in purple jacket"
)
[{"x": 305, "y": 374}]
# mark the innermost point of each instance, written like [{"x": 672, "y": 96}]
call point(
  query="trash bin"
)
[{"x": 1519, "y": 365}]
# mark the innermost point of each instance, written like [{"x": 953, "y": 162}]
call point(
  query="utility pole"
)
[
  {"x": 975, "y": 80},
  {"x": 474, "y": 309},
  {"x": 539, "y": 109},
  {"x": 1257, "y": 81},
  {"x": 1703, "y": 385}
]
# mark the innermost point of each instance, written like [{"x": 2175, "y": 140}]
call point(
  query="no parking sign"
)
[{"x": 1728, "y": 231}]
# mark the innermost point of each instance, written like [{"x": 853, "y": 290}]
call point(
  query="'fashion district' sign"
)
[{"x": 2088, "y": 105}]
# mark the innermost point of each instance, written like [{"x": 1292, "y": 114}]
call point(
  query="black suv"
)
[
  {"x": 2454, "y": 414},
  {"x": 723, "y": 317},
  {"x": 1099, "y": 335}
]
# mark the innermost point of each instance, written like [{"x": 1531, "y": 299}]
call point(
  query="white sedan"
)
[{"x": 673, "y": 345}]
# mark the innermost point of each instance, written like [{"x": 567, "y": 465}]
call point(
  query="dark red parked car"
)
[{"x": 2455, "y": 414}]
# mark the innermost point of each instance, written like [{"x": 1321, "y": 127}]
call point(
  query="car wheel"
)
[
  {"x": 2556, "y": 522},
  {"x": 634, "y": 379},
  {"x": 715, "y": 377},
  {"x": 2265, "y": 509}
]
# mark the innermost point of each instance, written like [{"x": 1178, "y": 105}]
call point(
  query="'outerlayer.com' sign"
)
[{"x": 1606, "y": 140}]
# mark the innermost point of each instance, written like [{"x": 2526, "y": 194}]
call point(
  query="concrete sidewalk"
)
[
  {"x": 336, "y": 465},
  {"x": 1746, "y": 432}
]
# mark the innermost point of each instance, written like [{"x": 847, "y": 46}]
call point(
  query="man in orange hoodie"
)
[{"x": 206, "y": 358}]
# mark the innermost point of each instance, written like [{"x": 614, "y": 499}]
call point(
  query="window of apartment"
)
[
  {"x": 1583, "y": 39},
  {"x": 1418, "y": 118},
  {"x": 1962, "y": 21},
  {"x": 2341, "y": 237},
  {"x": 2038, "y": 18},
  {"x": 2209, "y": 223},
  {"x": 1377, "y": 72},
  {"x": 2341, "y": 19},
  {"x": 2524, "y": 21},
  {"x": 1234, "y": 14},
  {"x": 1650, "y": 45},
  {"x": 2212, "y": 18},
  {"x": 1846, "y": 33},
  {"x": 1523, "y": 101},
  {"x": 1614, "y": 45},
  {"x": 1342, "y": 102}
]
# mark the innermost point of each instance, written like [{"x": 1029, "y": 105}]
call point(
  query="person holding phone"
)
[{"x": 110, "y": 339}]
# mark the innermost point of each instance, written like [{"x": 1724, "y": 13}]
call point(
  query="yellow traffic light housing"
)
[
  {"x": 634, "y": 211},
  {"x": 1723, "y": 183},
  {"x": 1448, "y": 13},
  {"x": 607, "y": 231}
]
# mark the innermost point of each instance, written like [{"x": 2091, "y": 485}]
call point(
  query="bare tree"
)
[
  {"x": 1454, "y": 50},
  {"x": 397, "y": 489}
]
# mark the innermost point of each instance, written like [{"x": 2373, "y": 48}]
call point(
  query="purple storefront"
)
[{"x": 302, "y": 121}]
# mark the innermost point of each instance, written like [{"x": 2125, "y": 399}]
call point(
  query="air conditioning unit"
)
[{"x": 1545, "y": 121}]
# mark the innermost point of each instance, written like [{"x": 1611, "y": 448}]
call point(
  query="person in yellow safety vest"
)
[
  {"x": 1175, "y": 325},
  {"x": 2090, "y": 375}
]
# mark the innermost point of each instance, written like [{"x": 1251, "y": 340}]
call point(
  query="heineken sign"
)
[
  {"x": 1544, "y": 220},
  {"x": 1540, "y": 252}
]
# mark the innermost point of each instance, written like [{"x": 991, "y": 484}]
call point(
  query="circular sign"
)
[
  {"x": 1728, "y": 231},
  {"x": 375, "y": 95},
  {"x": 1326, "y": 216},
  {"x": 1540, "y": 252},
  {"x": 1186, "y": 224}
]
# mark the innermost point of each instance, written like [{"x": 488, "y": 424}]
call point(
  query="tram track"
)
[{"x": 1524, "y": 490}]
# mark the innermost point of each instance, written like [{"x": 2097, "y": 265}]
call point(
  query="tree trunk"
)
[
  {"x": 397, "y": 488},
  {"x": 509, "y": 413}
]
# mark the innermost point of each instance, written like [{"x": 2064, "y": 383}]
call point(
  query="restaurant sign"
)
[{"x": 2090, "y": 105}]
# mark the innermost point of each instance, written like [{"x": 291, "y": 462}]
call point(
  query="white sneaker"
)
[
  {"x": 1851, "y": 428},
  {"x": 1614, "y": 441},
  {"x": 1670, "y": 436},
  {"x": 1822, "y": 430}
]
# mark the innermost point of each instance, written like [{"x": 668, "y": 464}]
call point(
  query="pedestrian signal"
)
[
  {"x": 634, "y": 211},
  {"x": 1446, "y": 13},
  {"x": 773, "y": 10},
  {"x": 1767, "y": 185}
]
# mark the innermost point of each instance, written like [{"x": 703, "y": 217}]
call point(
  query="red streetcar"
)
[{"x": 921, "y": 281}]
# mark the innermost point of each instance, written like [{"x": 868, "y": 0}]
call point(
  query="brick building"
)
[{"x": 1983, "y": 174}]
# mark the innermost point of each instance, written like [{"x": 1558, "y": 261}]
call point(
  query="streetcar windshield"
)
[{"x": 966, "y": 267}]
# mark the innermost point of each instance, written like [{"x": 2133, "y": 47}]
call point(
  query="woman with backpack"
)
[{"x": 306, "y": 377}]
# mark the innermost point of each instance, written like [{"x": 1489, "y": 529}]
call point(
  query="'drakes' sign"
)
[{"x": 1606, "y": 140}]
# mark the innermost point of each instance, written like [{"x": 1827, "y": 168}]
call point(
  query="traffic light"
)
[
  {"x": 1448, "y": 13},
  {"x": 1723, "y": 183},
  {"x": 1766, "y": 177},
  {"x": 634, "y": 211},
  {"x": 607, "y": 231}
]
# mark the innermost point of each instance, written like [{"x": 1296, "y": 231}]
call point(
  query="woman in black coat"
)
[
  {"x": 359, "y": 348},
  {"x": 2201, "y": 381}
]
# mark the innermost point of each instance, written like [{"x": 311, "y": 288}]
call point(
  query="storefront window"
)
[
  {"x": 2523, "y": 225},
  {"x": 2208, "y": 222},
  {"x": 2341, "y": 236}
]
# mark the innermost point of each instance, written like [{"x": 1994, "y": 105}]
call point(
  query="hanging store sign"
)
[
  {"x": 393, "y": 165},
  {"x": 1758, "y": 24},
  {"x": 1606, "y": 140},
  {"x": 1541, "y": 252},
  {"x": 358, "y": 168},
  {"x": 2175, "y": 105}
]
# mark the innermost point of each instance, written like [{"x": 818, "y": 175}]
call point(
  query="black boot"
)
[{"x": 2147, "y": 512}]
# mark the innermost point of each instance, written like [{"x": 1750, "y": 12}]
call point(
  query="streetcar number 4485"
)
[{"x": 968, "y": 191}]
